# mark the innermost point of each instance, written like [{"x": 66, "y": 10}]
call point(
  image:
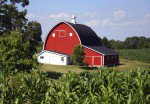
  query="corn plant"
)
[{"x": 109, "y": 86}]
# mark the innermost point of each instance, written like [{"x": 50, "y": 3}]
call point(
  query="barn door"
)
[
  {"x": 97, "y": 60},
  {"x": 88, "y": 60}
]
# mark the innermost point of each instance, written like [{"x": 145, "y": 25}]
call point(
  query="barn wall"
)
[
  {"x": 93, "y": 58},
  {"x": 59, "y": 43},
  {"x": 52, "y": 58}
]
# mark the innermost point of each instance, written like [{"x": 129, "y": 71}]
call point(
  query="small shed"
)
[{"x": 54, "y": 58}]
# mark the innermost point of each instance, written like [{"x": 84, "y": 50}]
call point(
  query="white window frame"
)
[
  {"x": 41, "y": 57},
  {"x": 70, "y": 34},
  {"x": 53, "y": 34},
  {"x": 62, "y": 59},
  {"x": 59, "y": 33}
]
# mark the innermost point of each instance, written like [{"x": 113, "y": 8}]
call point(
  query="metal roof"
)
[
  {"x": 104, "y": 50},
  {"x": 87, "y": 36}
]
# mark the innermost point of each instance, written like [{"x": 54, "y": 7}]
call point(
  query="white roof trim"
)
[
  {"x": 93, "y": 49},
  {"x": 51, "y": 52},
  {"x": 49, "y": 32},
  {"x": 74, "y": 31}
]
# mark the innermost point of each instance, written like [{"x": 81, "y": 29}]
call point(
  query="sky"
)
[{"x": 114, "y": 19}]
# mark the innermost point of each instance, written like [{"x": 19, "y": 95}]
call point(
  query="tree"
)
[
  {"x": 101, "y": 41},
  {"x": 10, "y": 17},
  {"x": 78, "y": 55},
  {"x": 116, "y": 44},
  {"x": 105, "y": 42},
  {"x": 33, "y": 31},
  {"x": 15, "y": 52},
  {"x": 136, "y": 42}
]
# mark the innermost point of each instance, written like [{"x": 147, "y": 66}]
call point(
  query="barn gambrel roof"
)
[{"x": 87, "y": 36}]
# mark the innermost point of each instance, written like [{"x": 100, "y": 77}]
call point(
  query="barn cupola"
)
[{"x": 73, "y": 19}]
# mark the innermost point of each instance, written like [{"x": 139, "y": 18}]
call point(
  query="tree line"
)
[{"x": 134, "y": 42}]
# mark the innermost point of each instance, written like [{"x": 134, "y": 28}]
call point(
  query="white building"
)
[{"x": 54, "y": 58}]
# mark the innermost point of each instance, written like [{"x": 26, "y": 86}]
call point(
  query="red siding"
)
[
  {"x": 64, "y": 44},
  {"x": 93, "y": 58},
  {"x": 97, "y": 61},
  {"x": 88, "y": 60}
]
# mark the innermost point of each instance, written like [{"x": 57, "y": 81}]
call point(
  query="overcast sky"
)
[{"x": 115, "y": 19}]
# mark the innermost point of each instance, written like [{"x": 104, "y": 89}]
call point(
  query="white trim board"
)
[
  {"x": 93, "y": 60},
  {"x": 51, "y": 52},
  {"x": 92, "y": 49}
]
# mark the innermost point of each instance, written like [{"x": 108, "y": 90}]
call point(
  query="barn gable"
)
[{"x": 64, "y": 43}]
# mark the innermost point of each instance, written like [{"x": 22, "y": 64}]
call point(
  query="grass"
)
[
  {"x": 65, "y": 69},
  {"x": 124, "y": 65}
]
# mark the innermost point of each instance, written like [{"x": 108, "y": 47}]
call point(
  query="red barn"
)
[{"x": 62, "y": 39}]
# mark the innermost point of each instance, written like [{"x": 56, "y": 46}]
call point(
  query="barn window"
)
[
  {"x": 62, "y": 59},
  {"x": 41, "y": 57},
  {"x": 61, "y": 33},
  {"x": 53, "y": 35},
  {"x": 70, "y": 34}
]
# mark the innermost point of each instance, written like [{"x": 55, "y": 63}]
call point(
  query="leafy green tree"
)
[
  {"x": 105, "y": 42},
  {"x": 101, "y": 41},
  {"x": 116, "y": 44},
  {"x": 15, "y": 52},
  {"x": 10, "y": 17},
  {"x": 136, "y": 42},
  {"x": 33, "y": 32},
  {"x": 78, "y": 55}
]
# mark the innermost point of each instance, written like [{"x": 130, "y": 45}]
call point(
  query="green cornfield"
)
[
  {"x": 142, "y": 55},
  {"x": 106, "y": 87}
]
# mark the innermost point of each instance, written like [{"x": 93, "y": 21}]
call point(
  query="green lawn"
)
[
  {"x": 124, "y": 65},
  {"x": 65, "y": 69}
]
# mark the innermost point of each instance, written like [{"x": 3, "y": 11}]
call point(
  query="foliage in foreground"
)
[
  {"x": 15, "y": 52},
  {"x": 135, "y": 54},
  {"x": 107, "y": 87}
]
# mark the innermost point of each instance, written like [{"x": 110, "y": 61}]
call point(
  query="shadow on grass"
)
[
  {"x": 88, "y": 68},
  {"x": 114, "y": 65},
  {"x": 53, "y": 75}
]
